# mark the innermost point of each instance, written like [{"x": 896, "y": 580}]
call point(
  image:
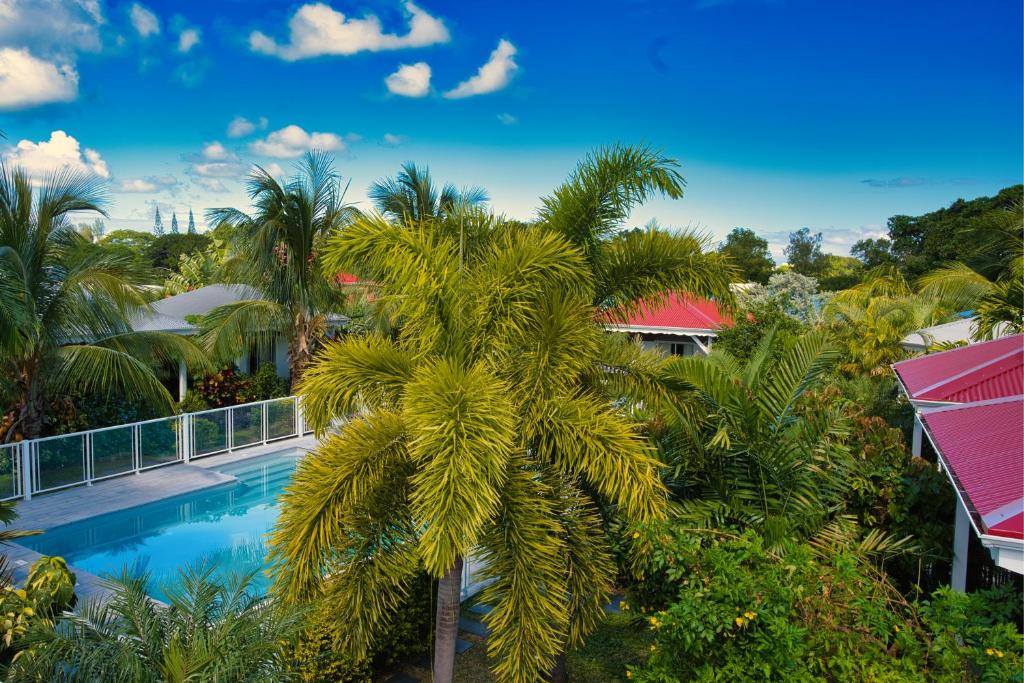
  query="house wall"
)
[{"x": 673, "y": 345}]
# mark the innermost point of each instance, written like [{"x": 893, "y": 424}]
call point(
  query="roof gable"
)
[
  {"x": 677, "y": 313},
  {"x": 983, "y": 371}
]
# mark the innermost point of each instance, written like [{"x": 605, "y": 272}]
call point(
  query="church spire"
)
[
  {"x": 191, "y": 222},
  {"x": 158, "y": 225}
]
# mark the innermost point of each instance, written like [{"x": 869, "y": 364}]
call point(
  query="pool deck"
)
[{"x": 49, "y": 510}]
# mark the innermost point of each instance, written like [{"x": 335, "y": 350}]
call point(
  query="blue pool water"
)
[{"x": 225, "y": 526}]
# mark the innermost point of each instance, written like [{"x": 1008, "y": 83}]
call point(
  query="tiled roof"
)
[
  {"x": 982, "y": 447},
  {"x": 988, "y": 370},
  {"x": 675, "y": 314}
]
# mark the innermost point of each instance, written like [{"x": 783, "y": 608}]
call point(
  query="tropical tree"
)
[
  {"x": 276, "y": 253},
  {"x": 995, "y": 291},
  {"x": 472, "y": 430},
  {"x": 750, "y": 254},
  {"x": 412, "y": 194},
  {"x": 208, "y": 631},
  {"x": 745, "y": 454},
  {"x": 66, "y": 305},
  {"x": 631, "y": 266},
  {"x": 871, "y": 320}
]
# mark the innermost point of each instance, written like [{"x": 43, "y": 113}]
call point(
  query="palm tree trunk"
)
[
  {"x": 446, "y": 629},
  {"x": 558, "y": 674},
  {"x": 31, "y": 414}
]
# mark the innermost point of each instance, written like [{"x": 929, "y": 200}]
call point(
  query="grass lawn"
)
[{"x": 617, "y": 642}]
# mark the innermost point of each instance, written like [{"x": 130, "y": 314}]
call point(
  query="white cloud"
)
[
  {"x": 274, "y": 169},
  {"x": 145, "y": 22},
  {"x": 26, "y": 81},
  {"x": 507, "y": 119},
  {"x": 60, "y": 151},
  {"x": 51, "y": 27},
  {"x": 241, "y": 126},
  {"x": 317, "y": 29},
  {"x": 292, "y": 141},
  {"x": 215, "y": 151},
  {"x": 217, "y": 169},
  {"x": 393, "y": 140},
  {"x": 211, "y": 184},
  {"x": 411, "y": 80},
  {"x": 492, "y": 76},
  {"x": 147, "y": 185},
  {"x": 188, "y": 39}
]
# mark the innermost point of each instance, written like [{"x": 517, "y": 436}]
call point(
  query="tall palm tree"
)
[
  {"x": 66, "y": 306},
  {"x": 412, "y": 194},
  {"x": 277, "y": 253},
  {"x": 208, "y": 631},
  {"x": 995, "y": 291},
  {"x": 631, "y": 266},
  {"x": 472, "y": 428}
]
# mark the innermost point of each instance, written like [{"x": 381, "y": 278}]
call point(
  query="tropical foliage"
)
[
  {"x": 474, "y": 431},
  {"x": 207, "y": 631},
  {"x": 743, "y": 611},
  {"x": 66, "y": 308}
]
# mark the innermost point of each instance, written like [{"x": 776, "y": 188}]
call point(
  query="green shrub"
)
[
  {"x": 744, "y": 613},
  {"x": 319, "y": 659},
  {"x": 26, "y": 614}
]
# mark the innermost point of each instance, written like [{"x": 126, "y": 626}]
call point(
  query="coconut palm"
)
[
  {"x": 66, "y": 306},
  {"x": 277, "y": 254},
  {"x": 209, "y": 630},
  {"x": 412, "y": 194},
  {"x": 475, "y": 431},
  {"x": 995, "y": 291},
  {"x": 631, "y": 266},
  {"x": 747, "y": 455}
]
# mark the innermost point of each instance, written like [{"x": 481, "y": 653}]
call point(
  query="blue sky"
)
[{"x": 783, "y": 114}]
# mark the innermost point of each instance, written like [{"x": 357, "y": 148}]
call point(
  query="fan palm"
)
[
  {"x": 208, "y": 631},
  {"x": 66, "y": 306},
  {"x": 589, "y": 210},
  {"x": 746, "y": 455},
  {"x": 474, "y": 431},
  {"x": 412, "y": 194},
  {"x": 277, "y": 254},
  {"x": 997, "y": 302}
]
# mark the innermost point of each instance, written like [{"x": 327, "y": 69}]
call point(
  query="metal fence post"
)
[
  {"x": 26, "y": 469},
  {"x": 300, "y": 422},
  {"x": 185, "y": 434},
  {"x": 87, "y": 457},
  {"x": 264, "y": 425}
]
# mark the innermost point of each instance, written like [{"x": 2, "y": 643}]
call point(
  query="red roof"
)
[
  {"x": 677, "y": 313},
  {"x": 979, "y": 372},
  {"x": 982, "y": 447},
  {"x": 347, "y": 279}
]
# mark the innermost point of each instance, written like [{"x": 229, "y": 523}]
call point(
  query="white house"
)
[{"x": 682, "y": 325}]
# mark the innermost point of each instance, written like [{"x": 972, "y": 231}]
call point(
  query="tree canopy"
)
[{"x": 749, "y": 254}]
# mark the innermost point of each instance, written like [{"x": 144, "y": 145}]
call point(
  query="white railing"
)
[{"x": 57, "y": 462}]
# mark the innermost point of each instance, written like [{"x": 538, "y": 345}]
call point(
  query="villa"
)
[
  {"x": 969, "y": 402},
  {"x": 682, "y": 326},
  {"x": 177, "y": 314}
]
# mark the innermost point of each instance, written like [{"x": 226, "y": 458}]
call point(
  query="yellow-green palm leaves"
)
[{"x": 473, "y": 429}]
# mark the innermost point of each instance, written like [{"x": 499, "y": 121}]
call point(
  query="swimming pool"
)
[{"x": 225, "y": 526}]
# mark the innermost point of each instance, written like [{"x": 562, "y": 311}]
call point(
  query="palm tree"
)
[
  {"x": 871, "y": 320},
  {"x": 747, "y": 455},
  {"x": 208, "y": 631},
  {"x": 473, "y": 429},
  {"x": 589, "y": 210},
  {"x": 66, "y": 306},
  {"x": 412, "y": 194},
  {"x": 995, "y": 291},
  {"x": 277, "y": 254}
]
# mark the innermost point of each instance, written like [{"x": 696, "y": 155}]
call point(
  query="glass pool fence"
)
[{"x": 57, "y": 462}]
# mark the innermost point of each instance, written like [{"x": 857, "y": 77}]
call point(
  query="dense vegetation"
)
[{"x": 759, "y": 506}]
